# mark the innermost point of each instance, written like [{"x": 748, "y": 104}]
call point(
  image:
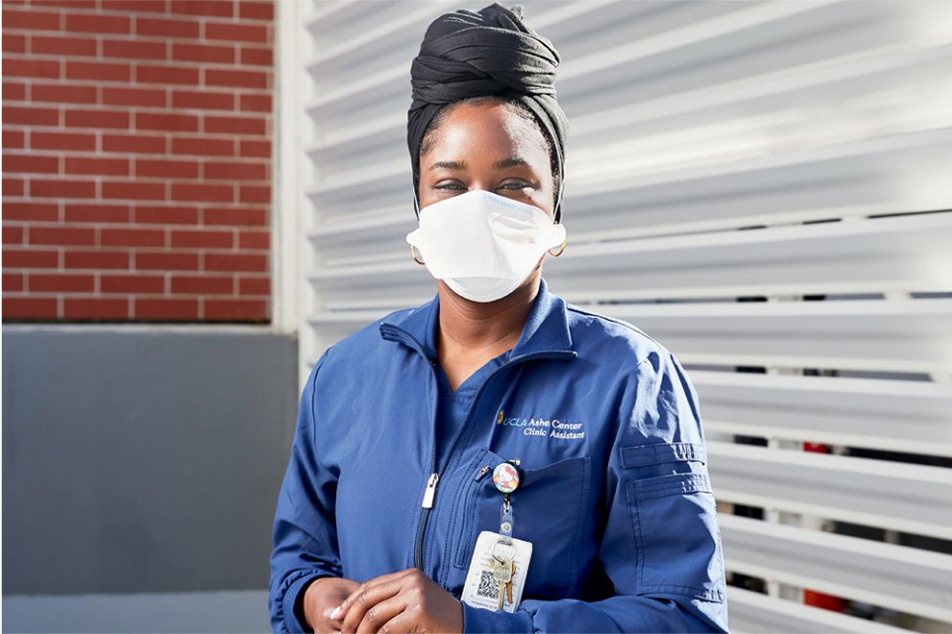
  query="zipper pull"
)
[
  {"x": 482, "y": 472},
  {"x": 430, "y": 492}
]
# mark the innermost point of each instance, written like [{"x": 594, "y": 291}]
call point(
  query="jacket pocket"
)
[
  {"x": 548, "y": 510},
  {"x": 674, "y": 523}
]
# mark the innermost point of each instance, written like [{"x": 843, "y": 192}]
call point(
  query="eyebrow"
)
[{"x": 512, "y": 161}]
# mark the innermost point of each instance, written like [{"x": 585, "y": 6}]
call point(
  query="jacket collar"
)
[{"x": 545, "y": 333}]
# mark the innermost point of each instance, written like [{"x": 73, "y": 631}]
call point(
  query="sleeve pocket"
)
[
  {"x": 674, "y": 523},
  {"x": 659, "y": 453}
]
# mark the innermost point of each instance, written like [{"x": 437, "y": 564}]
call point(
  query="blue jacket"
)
[{"x": 615, "y": 494}]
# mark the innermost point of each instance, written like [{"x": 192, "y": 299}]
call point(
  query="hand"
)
[
  {"x": 320, "y": 599},
  {"x": 405, "y": 601}
]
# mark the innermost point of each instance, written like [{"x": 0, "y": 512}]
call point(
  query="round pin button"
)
[{"x": 506, "y": 477}]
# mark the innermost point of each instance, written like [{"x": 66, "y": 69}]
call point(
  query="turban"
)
[{"x": 486, "y": 52}]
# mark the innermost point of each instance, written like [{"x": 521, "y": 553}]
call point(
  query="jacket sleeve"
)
[
  {"x": 661, "y": 546},
  {"x": 304, "y": 535}
]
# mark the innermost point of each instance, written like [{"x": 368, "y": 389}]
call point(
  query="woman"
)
[{"x": 495, "y": 460}]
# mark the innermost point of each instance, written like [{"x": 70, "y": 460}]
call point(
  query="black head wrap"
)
[{"x": 488, "y": 52}]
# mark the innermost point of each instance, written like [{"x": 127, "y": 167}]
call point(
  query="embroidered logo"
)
[{"x": 543, "y": 427}]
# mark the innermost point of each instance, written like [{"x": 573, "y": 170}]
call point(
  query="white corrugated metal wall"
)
[{"x": 762, "y": 186}]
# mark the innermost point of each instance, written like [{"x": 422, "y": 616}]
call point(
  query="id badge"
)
[{"x": 497, "y": 572}]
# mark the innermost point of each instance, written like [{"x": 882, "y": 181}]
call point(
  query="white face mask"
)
[{"x": 482, "y": 245}]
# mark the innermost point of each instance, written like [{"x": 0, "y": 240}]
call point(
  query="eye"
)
[
  {"x": 448, "y": 185},
  {"x": 514, "y": 185}
]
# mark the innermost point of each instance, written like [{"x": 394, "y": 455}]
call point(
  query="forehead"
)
[{"x": 487, "y": 130}]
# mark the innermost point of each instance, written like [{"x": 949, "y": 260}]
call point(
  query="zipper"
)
[
  {"x": 429, "y": 494},
  {"x": 465, "y": 530}
]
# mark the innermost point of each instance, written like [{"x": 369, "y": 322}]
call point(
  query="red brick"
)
[
  {"x": 198, "y": 239},
  {"x": 256, "y": 103},
  {"x": 254, "y": 240},
  {"x": 98, "y": 71},
  {"x": 30, "y": 116},
  {"x": 13, "y": 43},
  {"x": 251, "y": 148},
  {"x": 79, "y": 118},
  {"x": 133, "y": 143},
  {"x": 96, "y": 309},
  {"x": 256, "y": 56},
  {"x": 254, "y": 285},
  {"x": 133, "y": 190},
  {"x": 203, "y": 193},
  {"x": 135, "y": 6},
  {"x": 97, "y": 166},
  {"x": 203, "y": 53},
  {"x": 96, "y": 259},
  {"x": 166, "y": 215},
  {"x": 62, "y": 45},
  {"x": 12, "y": 234},
  {"x": 37, "y": 68},
  {"x": 68, "y": 141},
  {"x": 165, "y": 309},
  {"x": 60, "y": 93},
  {"x": 19, "y": 210},
  {"x": 30, "y": 259},
  {"x": 13, "y": 186},
  {"x": 251, "y": 263},
  {"x": 97, "y": 23},
  {"x": 236, "y": 32},
  {"x": 30, "y": 163},
  {"x": 256, "y": 10},
  {"x": 133, "y": 49},
  {"x": 14, "y": 91},
  {"x": 31, "y": 20},
  {"x": 169, "y": 122},
  {"x": 12, "y": 282},
  {"x": 59, "y": 188},
  {"x": 13, "y": 139},
  {"x": 213, "y": 8},
  {"x": 62, "y": 236},
  {"x": 236, "y": 125},
  {"x": 61, "y": 283},
  {"x": 233, "y": 170},
  {"x": 132, "y": 284},
  {"x": 28, "y": 308},
  {"x": 235, "y": 217},
  {"x": 159, "y": 168},
  {"x": 203, "y": 100},
  {"x": 98, "y": 212},
  {"x": 201, "y": 146},
  {"x": 66, "y": 4},
  {"x": 254, "y": 194},
  {"x": 167, "y": 28},
  {"x": 236, "y": 78},
  {"x": 147, "y": 260},
  {"x": 236, "y": 310},
  {"x": 166, "y": 75},
  {"x": 132, "y": 237},
  {"x": 203, "y": 284},
  {"x": 151, "y": 98}
]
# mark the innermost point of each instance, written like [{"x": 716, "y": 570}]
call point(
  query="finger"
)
[
  {"x": 403, "y": 622},
  {"x": 365, "y": 600},
  {"x": 370, "y": 583},
  {"x": 380, "y": 614}
]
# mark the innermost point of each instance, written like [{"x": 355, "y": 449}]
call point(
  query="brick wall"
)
[{"x": 137, "y": 144}]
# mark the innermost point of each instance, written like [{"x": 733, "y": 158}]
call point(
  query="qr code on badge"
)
[{"x": 488, "y": 586}]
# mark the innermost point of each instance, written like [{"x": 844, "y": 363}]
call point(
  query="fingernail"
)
[{"x": 334, "y": 614}]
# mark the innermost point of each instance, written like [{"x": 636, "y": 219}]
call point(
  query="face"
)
[{"x": 487, "y": 147}]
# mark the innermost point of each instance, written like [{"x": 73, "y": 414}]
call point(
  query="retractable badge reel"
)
[{"x": 497, "y": 571}]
